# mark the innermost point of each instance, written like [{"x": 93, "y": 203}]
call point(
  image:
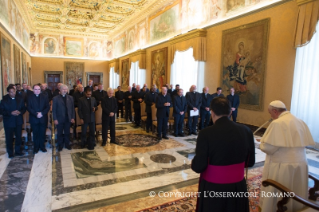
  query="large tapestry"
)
[
  {"x": 159, "y": 67},
  {"x": 125, "y": 73},
  {"x": 24, "y": 68},
  {"x": 244, "y": 56},
  {"x": 16, "y": 58},
  {"x": 74, "y": 73},
  {"x": 6, "y": 68}
]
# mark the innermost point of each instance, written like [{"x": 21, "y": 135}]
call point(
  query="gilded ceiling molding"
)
[{"x": 195, "y": 39}]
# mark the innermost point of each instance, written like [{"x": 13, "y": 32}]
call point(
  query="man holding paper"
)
[
  {"x": 163, "y": 103},
  {"x": 194, "y": 101}
]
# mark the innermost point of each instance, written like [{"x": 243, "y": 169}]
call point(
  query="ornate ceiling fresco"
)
[{"x": 93, "y": 18}]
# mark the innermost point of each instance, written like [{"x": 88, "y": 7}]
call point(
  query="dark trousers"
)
[
  {"x": 234, "y": 115},
  {"x": 38, "y": 136},
  {"x": 178, "y": 124},
  {"x": 128, "y": 112},
  {"x": 106, "y": 123},
  {"x": 204, "y": 119},
  {"x": 149, "y": 121},
  {"x": 91, "y": 134},
  {"x": 120, "y": 108},
  {"x": 137, "y": 116},
  {"x": 162, "y": 126},
  {"x": 9, "y": 131},
  {"x": 192, "y": 123},
  {"x": 64, "y": 134}
]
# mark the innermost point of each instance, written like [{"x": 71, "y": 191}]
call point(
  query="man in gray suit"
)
[
  {"x": 63, "y": 116},
  {"x": 86, "y": 110}
]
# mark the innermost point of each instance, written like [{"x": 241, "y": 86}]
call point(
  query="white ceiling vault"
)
[{"x": 92, "y": 18}]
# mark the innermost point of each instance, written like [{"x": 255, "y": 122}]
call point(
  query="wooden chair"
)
[
  {"x": 143, "y": 115},
  {"x": 98, "y": 121},
  {"x": 310, "y": 206},
  {"x": 171, "y": 120}
]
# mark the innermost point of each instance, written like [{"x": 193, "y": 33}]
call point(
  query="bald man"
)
[
  {"x": 194, "y": 101},
  {"x": 284, "y": 143},
  {"x": 204, "y": 108}
]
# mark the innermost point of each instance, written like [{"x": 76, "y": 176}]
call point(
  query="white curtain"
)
[
  {"x": 137, "y": 75},
  {"x": 305, "y": 101},
  {"x": 186, "y": 72},
  {"x": 114, "y": 78}
]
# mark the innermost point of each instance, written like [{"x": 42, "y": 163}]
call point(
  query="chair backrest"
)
[
  {"x": 49, "y": 119},
  {"x": 98, "y": 115},
  {"x": 171, "y": 113},
  {"x": 25, "y": 120},
  {"x": 132, "y": 106},
  {"x": 26, "y": 116},
  {"x": 143, "y": 107},
  {"x": 78, "y": 120},
  {"x": 154, "y": 110}
]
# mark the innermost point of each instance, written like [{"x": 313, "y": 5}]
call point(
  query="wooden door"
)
[
  {"x": 53, "y": 80},
  {"x": 95, "y": 78}
]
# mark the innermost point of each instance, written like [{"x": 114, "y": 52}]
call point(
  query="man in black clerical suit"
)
[
  {"x": 163, "y": 103},
  {"x": 137, "y": 97},
  {"x": 194, "y": 101},
  {"x": 45, "y": 90},
  {"x": 179, "y": 110},
  {"x": 20, "y": 92},
  {"x": 128, "y": 98},
  {"x": 234, "y": 103},
  {"x": 109, "y": 107},
  {"x": 119, "y": 96},
  {"x": 204, "y": 109},
  {"x": 26, "y": 90},
  {"x": 133, "y": 87},
  {"x": 38, "y": 107},
  {"x": 12, "y": 108},
  {"x": 78, "y": 94},
  {"x": 86, "y": 110},
  {"x": 72, "y": 90},
  {"x": 224, "y": 149},
  {"x": 150, "y": 99},
  {"x": 57, "y": 90},
  {"x": 174, "y": 93},
  {"x": 63, "y": 116},
  {"x": 218, "y": 93},
  {"x": 99, "y": 93},
  {"x": 90, "y": 85},
  {"x": 145, "y": 89}
]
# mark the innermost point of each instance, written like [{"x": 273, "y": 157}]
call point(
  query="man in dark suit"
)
[
  {"x": 57, "y": 90},
  {"x": 86, "y": 110},
  {"x": 234, "y": 103},
  {"x": 133, "y": 87},
  {"x": 78, "y": 94},
  {"x": 174, "y": 93},
  {"x": 179, "y": 110},
  {"x": 156, "y": 89},
  {"x": 38, "y": 107},
  {"x": 169, "y": 89},
  {"x": 128, "y": 98},
  {"x": 194, "y": 101},
  {"x": 99, "y": 94},
  {"x": 204, "y": 108},
  {"x": 109, "y": 107},
  {"x": 90, "y": 85},
  {"x": 20, "y": 92},
  {"x": 95, "y": 87},
  {"x": 150, "y": 99},
  {"x": 218, "y": 93},
  {"x": 145, "y": 89},
  {"x": 138, "y": 97},
  {"x": 12, "y": 108},
  {"x": 163, "y": 103},
  {"x": 119, "y": 96},
  {"x": 26, "y": 90},
  {"x": 47, "y": 91},
  {"x": 63, "y": 116},
  {"x": 72, "y": 90}
]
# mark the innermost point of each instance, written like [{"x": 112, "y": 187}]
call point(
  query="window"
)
[
  {"x": 137, "y": 75},
  {"x": 304, "y": 101},
  {"x": 186, "y": 72},
  {"x": 114, "y": 79}
]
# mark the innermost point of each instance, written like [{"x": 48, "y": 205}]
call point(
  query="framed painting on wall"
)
[
  {"x": 159, "y": 67},
  {"x": 125, "y": 74},
  {"x": 243, "y": 65},
  {"x": 24, "y": 68},
  {"x": 73, "y": 47},
  {"x": 74, "y": 73},
  {"x": 16, "y": 63},
  {"x": 6, "y": 68}
]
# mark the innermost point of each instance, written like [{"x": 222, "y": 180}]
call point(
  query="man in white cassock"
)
[{"x": 284, "y": 143}]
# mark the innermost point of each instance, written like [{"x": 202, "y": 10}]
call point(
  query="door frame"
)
[
  {"x": 46, "y": 73},
  {"x": 88, "y": 74}
]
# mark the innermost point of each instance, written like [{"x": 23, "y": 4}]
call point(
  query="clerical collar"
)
[
  {"x": 194, "y": 91},
  {"x": 88, "y": 98},
  {"x": 110, "y": 97},
  {"x": 37, "y": 95},
  {"x": 283, "y": 113},
  {"x": 100, "y": 90},
  {"x": 12, "y": 98},
  {"x": 63, "y": 95}
]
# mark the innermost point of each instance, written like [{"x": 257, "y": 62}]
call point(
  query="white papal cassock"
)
[{"x": 284, "y": 143}]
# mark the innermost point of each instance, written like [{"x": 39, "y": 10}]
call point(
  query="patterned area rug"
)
[
  {"x": 136, "y": 140},
  {"x": 189, "y": 204}
]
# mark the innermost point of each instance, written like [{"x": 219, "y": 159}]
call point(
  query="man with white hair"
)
[
  {"x": 109, "y": 107},
  {"x": 46, "y": 90},
  {"x": 78, "y": 94},
  {"x": 284, "y": 143},
  {"x": 63, "y": 116},
  {"x": 90, "y": 85}
]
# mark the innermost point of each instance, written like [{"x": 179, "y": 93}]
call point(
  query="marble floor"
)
[{"x": 116, "y": 177}]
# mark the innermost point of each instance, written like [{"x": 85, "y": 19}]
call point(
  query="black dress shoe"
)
[
  {"x": 165, "y": 137},
  {"x": 11, "y": 156},
  {"x": 35, "y": 151},
  {"x": 68, "y": 148},
  {"x": 176, "y": 135},
  {"x": 112, "y": 142},
  {"x": 190, "y": 133},
  {"x": 60, "y": 149},
  {"x": 44, "y": 150},
  {"x": 181, "y": 135},
  {"x": 159, "y": 138},
  {"x": 19, "y": 154},
  {"x": 195, "y": 133},
  {"x": 147, "y": 130},
  {"x": 103, "y": 143},
  {"x": 92, "y": 148}
]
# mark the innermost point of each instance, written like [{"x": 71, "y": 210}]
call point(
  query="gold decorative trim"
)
[
  {"x": 138, "y": 52},
  {"x": 189, "y": 35},
  {"x": 300, "y": 2}
]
